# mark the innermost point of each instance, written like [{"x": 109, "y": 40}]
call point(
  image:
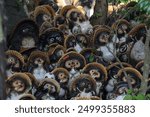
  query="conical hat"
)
[
  {"x": 27, "y": 97},
  {"x": 15, "y": 54},
  {"x": 58, "y": 47},
  {"x": 139, "y": 65},
  {"x": 118, "y": 22},
  {"x": 95, "y": 40},
  {"x": 36, "y": 54},
  {"x": 65, "y": 9},
  {"x": 51, "y": 81},
  {"x": 135, "y": 30},
  {"x": 98, "y": 66},
  {"x": 80, "y": 77},
  {"x": 41, "y": 10},
  {"x": 32, "y": 78},
  {"x": 50, "y": 9},
  {"x": 72, "y": 55},
  {"x": 45, "y": 26},
  {"x": 135, "y": 81},
  {"x": 56, "y": 71},
  {"x": 22, "y": 76},
  {"x": 68, "y": 39},
  {"x": 24, "y": 28},
  {"x": 81, "y": 16}
]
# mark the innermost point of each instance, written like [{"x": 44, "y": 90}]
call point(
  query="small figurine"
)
[
  {"x": 62, "y": 77},
  {"x": 55, "y": 52},
  {"x": 15, "y": 62},
  {"x": 83, "y": 86},
  {"x": 48, "y": 90},
  {"x": 121, "y": 29},
  {"x": 137, "y": 38},
  {"x": 103, "y": 43},
  {"x": 112, "y": 71},
  {"x": 17, "y": 84},
  {"x": 43, "y": 13},
  {"x": 24, "y": 36},
  {"x": 133, "y": 76},
  {"x": 99, "y": 73},
  {"x": 73, "y": 62},
  {"x": 38, "y": 64},
  {"x": 121, "y": 90},
  {"x": 50, "y": 36}
]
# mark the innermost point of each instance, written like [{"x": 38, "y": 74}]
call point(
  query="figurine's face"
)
[
  {"x": 113, "y": 72},
  {"x": 84, "y": 84},
  {"x": 18, "y": 85},
  {"x": 28, "y": 42},
  {"x": 56, "y": 55},
  {"x": 82, "y": 40},
  {"x": 39, "y": 61},
  {"x": 94, "y": 73},
  {"x": 122, "y": 29},
  {"x": 42, "y": 18},
  {"x": 122, "y": 90},
  {"x": 62, "y": 77},
  {"x": 50, "y": 87},
  {"x": 71, "y": 43},
  {"x": 74, "y": 63},
  {"x": 131, "y": 78},
  {"x": 13, "y": 62},
  {"x": 104, "y": 37},
  {"x": 74, "y": 16},
  {"x": 55, "y": 37},
  {"x": 46, "y": 17},
  {"x": 65, "y": 30}
]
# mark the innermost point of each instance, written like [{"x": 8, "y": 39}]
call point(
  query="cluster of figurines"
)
[{"x": 59, "y": 55}]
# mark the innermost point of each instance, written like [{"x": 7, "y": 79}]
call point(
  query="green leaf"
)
[
  {"x": 148, "y": 96},
  {"x": 129, "y": 92},
  {"x": 91, "y": 58},
  {"x": 128, "y": 97},
  {"x": 140, "y": 97}
]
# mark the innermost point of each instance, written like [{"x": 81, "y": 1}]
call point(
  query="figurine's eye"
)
[
  {"x": 77, "y": 63},
  {"x": 68, "y": 64},
  {"x": 46, "y": 17},
  {"x": 51, "y": 40},
  {"x": 58, "y": 38},
  {"x": 25, "y": 30},
  {"x": 11, "y": 59},
  {"x": 60, "y": 53}
]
